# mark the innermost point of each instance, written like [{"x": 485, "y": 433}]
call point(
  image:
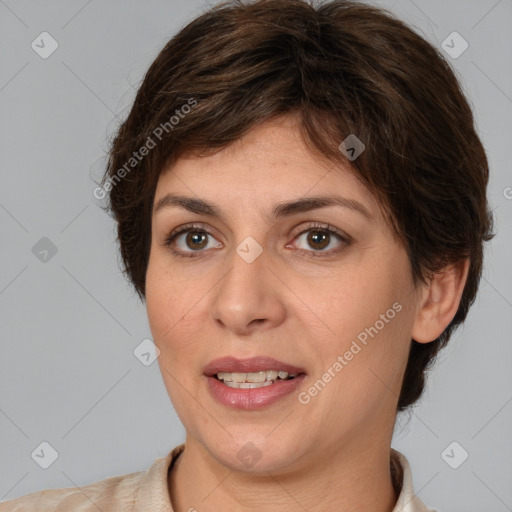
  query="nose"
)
[{"x": 248, "y": 297}]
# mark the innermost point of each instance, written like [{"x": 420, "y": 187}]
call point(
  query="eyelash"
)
[{"x": 323, "y": 228}]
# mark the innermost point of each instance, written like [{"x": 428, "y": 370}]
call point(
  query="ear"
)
[{"x": 439, "y": 301}]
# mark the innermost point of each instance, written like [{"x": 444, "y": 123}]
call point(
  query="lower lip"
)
[{"x": 255, "y": 398}]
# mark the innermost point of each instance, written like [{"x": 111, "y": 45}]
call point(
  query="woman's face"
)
[{"x": 338, "y": 307}]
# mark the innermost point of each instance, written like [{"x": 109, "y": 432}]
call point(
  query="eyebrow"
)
[{"x": 280, "y": 210}]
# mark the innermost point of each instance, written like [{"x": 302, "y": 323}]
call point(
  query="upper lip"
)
[{"x": 254, "y": 364}]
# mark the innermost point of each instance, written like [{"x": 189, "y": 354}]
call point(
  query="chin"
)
[{"x": 255, "y": 453}]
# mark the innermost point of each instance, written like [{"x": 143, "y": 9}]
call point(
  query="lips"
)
[
  {"x": 253, "y": 364},
  {"x": 251, "y": 396}
]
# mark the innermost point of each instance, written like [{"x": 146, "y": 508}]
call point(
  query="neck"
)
[{"x": 352, "y": 478}]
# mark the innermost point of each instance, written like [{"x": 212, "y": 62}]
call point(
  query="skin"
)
[{"x": 333, "y": 452}]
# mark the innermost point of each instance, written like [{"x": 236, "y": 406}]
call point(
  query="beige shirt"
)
[{"x": 147, "y": 491}]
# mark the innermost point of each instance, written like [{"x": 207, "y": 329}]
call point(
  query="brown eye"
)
[
  {"x": 196, "y": 240},
  {"x": 318, "y": 239},
  {"x": 321, "y": 241},
  {"x": 190, "y": 241}
]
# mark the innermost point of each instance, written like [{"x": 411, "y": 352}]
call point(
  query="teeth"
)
[
  {"x": 255, "y": 377},
  {"x": 238, "y": 377},
  {"x": 248, "y": 385},
  {"x": 258, "y": 378},
  {"x": 272, "y": 375}
]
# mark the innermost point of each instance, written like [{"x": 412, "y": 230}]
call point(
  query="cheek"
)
[
  {"x": 173, "y": 334},
  {"x": 163, "y": 305},
  {"x": 345, "y": 304},
  {"x": 362, "y": 316},
  {"x": 375, "y": 373},
  {"x": 160, "y": 305},
  {"x": 367, "y": 376},
  {"x": 173, "y": 304}
]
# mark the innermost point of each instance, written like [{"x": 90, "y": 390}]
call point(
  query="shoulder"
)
[
  {"x": 114, "y": 494},
  {"x": 133, "y": 492}
]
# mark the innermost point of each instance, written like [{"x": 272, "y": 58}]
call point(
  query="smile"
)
[{"x": 253, "y": 379}]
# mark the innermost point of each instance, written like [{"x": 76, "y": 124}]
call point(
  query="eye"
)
[
  {"x": 189, "y": 239},
  {"x": 320, "y": 237}
]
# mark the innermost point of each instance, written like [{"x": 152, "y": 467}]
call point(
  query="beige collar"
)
[{"x": 153, "y": 486}]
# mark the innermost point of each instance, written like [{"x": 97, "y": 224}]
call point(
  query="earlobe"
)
[{"x": 439, "y": 302}]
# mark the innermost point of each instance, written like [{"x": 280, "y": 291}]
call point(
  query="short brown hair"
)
[{"x": 345, "y": 68}]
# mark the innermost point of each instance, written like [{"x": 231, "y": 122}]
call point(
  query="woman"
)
[{"x": 300, "y": 196}]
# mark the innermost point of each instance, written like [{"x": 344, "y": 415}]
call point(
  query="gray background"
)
[{"x": 69, "y": 326}]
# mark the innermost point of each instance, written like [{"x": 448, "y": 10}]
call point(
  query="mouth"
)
[
  {"x": 254, "y": 380},
  {"x": 255, "y": 370},
  {"x": 252, "y": 383}
]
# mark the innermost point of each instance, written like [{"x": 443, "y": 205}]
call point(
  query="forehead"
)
[{"x": 269, "y": 163}]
